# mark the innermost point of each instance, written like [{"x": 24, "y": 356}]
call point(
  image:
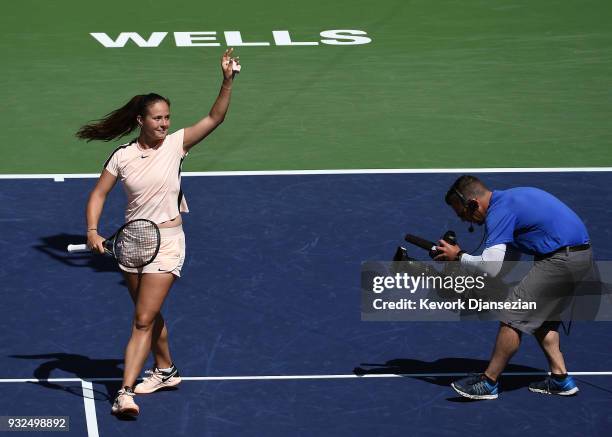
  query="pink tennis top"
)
[{"x": 151, "y": 178}]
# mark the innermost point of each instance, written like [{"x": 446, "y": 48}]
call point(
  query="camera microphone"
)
[
  {"x": 420, "y": 242},
  {"x": 430, "y": 246}
]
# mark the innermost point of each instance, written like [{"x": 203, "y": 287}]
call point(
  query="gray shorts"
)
[{"x": 551, "y": 284}]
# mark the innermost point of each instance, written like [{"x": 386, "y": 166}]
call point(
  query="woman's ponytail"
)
[{"x": 119, "y": 122}]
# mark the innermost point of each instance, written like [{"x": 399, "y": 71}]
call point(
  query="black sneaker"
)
[
  {"x": 476, "y": 387},
  {"x": 551, "y": 386}
]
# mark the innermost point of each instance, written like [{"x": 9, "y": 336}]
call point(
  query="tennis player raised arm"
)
[{"x": 196, "y": 133}]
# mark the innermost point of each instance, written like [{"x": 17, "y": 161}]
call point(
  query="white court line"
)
[
  {"x": 90, "y": 406},
  {"x": 60, "y": 177},
  {"x": 298, "y": 377},
  {"x": 90, "y": 409}
]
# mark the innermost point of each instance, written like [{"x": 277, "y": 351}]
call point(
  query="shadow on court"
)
[
  {"x": 55, "y": 247},
  {"x": 595, "y": 386},
  {"x": 81, "y": 367},
  {"x": 406, "y": 366}
]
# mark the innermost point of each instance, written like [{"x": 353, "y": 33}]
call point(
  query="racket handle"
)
[{"x": 77, "y": 248}]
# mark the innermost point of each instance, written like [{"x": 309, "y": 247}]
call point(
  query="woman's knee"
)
[{"x": 144, "y": 322}]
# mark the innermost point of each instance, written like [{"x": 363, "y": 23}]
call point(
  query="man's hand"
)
[{"x": 448, "y": 252}]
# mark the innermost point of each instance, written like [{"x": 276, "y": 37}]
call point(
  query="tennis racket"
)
[{"x": 134, "y": 245}]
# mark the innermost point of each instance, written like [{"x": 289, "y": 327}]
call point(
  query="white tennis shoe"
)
[
  {"x": 158, "y": 380},
  {"x": 124, "y": 405}
]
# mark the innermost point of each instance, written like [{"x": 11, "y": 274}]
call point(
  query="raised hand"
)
[{"x": 229, "y": 65}]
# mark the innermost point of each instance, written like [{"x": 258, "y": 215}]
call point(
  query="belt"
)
[
  {"x": 567, "y": 249},
  {"x": 576, "y": 248}
]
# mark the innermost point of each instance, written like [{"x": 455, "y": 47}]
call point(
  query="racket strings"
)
[{"x": 137, "y": 243}]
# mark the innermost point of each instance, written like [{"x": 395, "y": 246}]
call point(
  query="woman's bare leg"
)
[
  {"x": 152, "y": 291},
  {"x": 159, "y": 340}
]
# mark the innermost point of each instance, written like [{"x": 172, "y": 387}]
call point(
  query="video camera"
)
[
  {"x": 401, "y": 254},
  {"x": 414, "y": 266}
]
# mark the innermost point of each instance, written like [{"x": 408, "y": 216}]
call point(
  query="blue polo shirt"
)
[{"x": 533, "y": 221}]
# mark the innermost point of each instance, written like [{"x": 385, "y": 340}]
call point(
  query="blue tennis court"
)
[{"x": 265, "y": 323}]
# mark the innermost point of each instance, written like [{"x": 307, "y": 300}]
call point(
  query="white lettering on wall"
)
[
  {"x": 350, "y": 39},
  {"x": 193, "y": 39},
  {"x": 233, "y": 38},
  {"x": 154, "y": 40},
  {"x": 282, "y": 38}
]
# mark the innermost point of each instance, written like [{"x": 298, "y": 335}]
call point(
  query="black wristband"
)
[{"x": 459, "y": 254}]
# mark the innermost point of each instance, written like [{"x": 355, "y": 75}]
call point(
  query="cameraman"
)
[{"x": 536, "y": 223}]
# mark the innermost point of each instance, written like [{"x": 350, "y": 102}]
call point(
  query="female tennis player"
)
[{"x": 149, "y": 168}]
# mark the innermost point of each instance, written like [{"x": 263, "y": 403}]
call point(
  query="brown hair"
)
[
  {"x": 119, "y": 122},
  {"x": 465, "y": 187}
]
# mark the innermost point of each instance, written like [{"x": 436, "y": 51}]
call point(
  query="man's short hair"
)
[{"x": 468, "y": 186}]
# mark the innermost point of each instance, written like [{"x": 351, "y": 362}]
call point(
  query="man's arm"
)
[{"x": 490, "y": 262}]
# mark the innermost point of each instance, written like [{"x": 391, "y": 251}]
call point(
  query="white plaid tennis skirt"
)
[{"x": 171, "y": 255}]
